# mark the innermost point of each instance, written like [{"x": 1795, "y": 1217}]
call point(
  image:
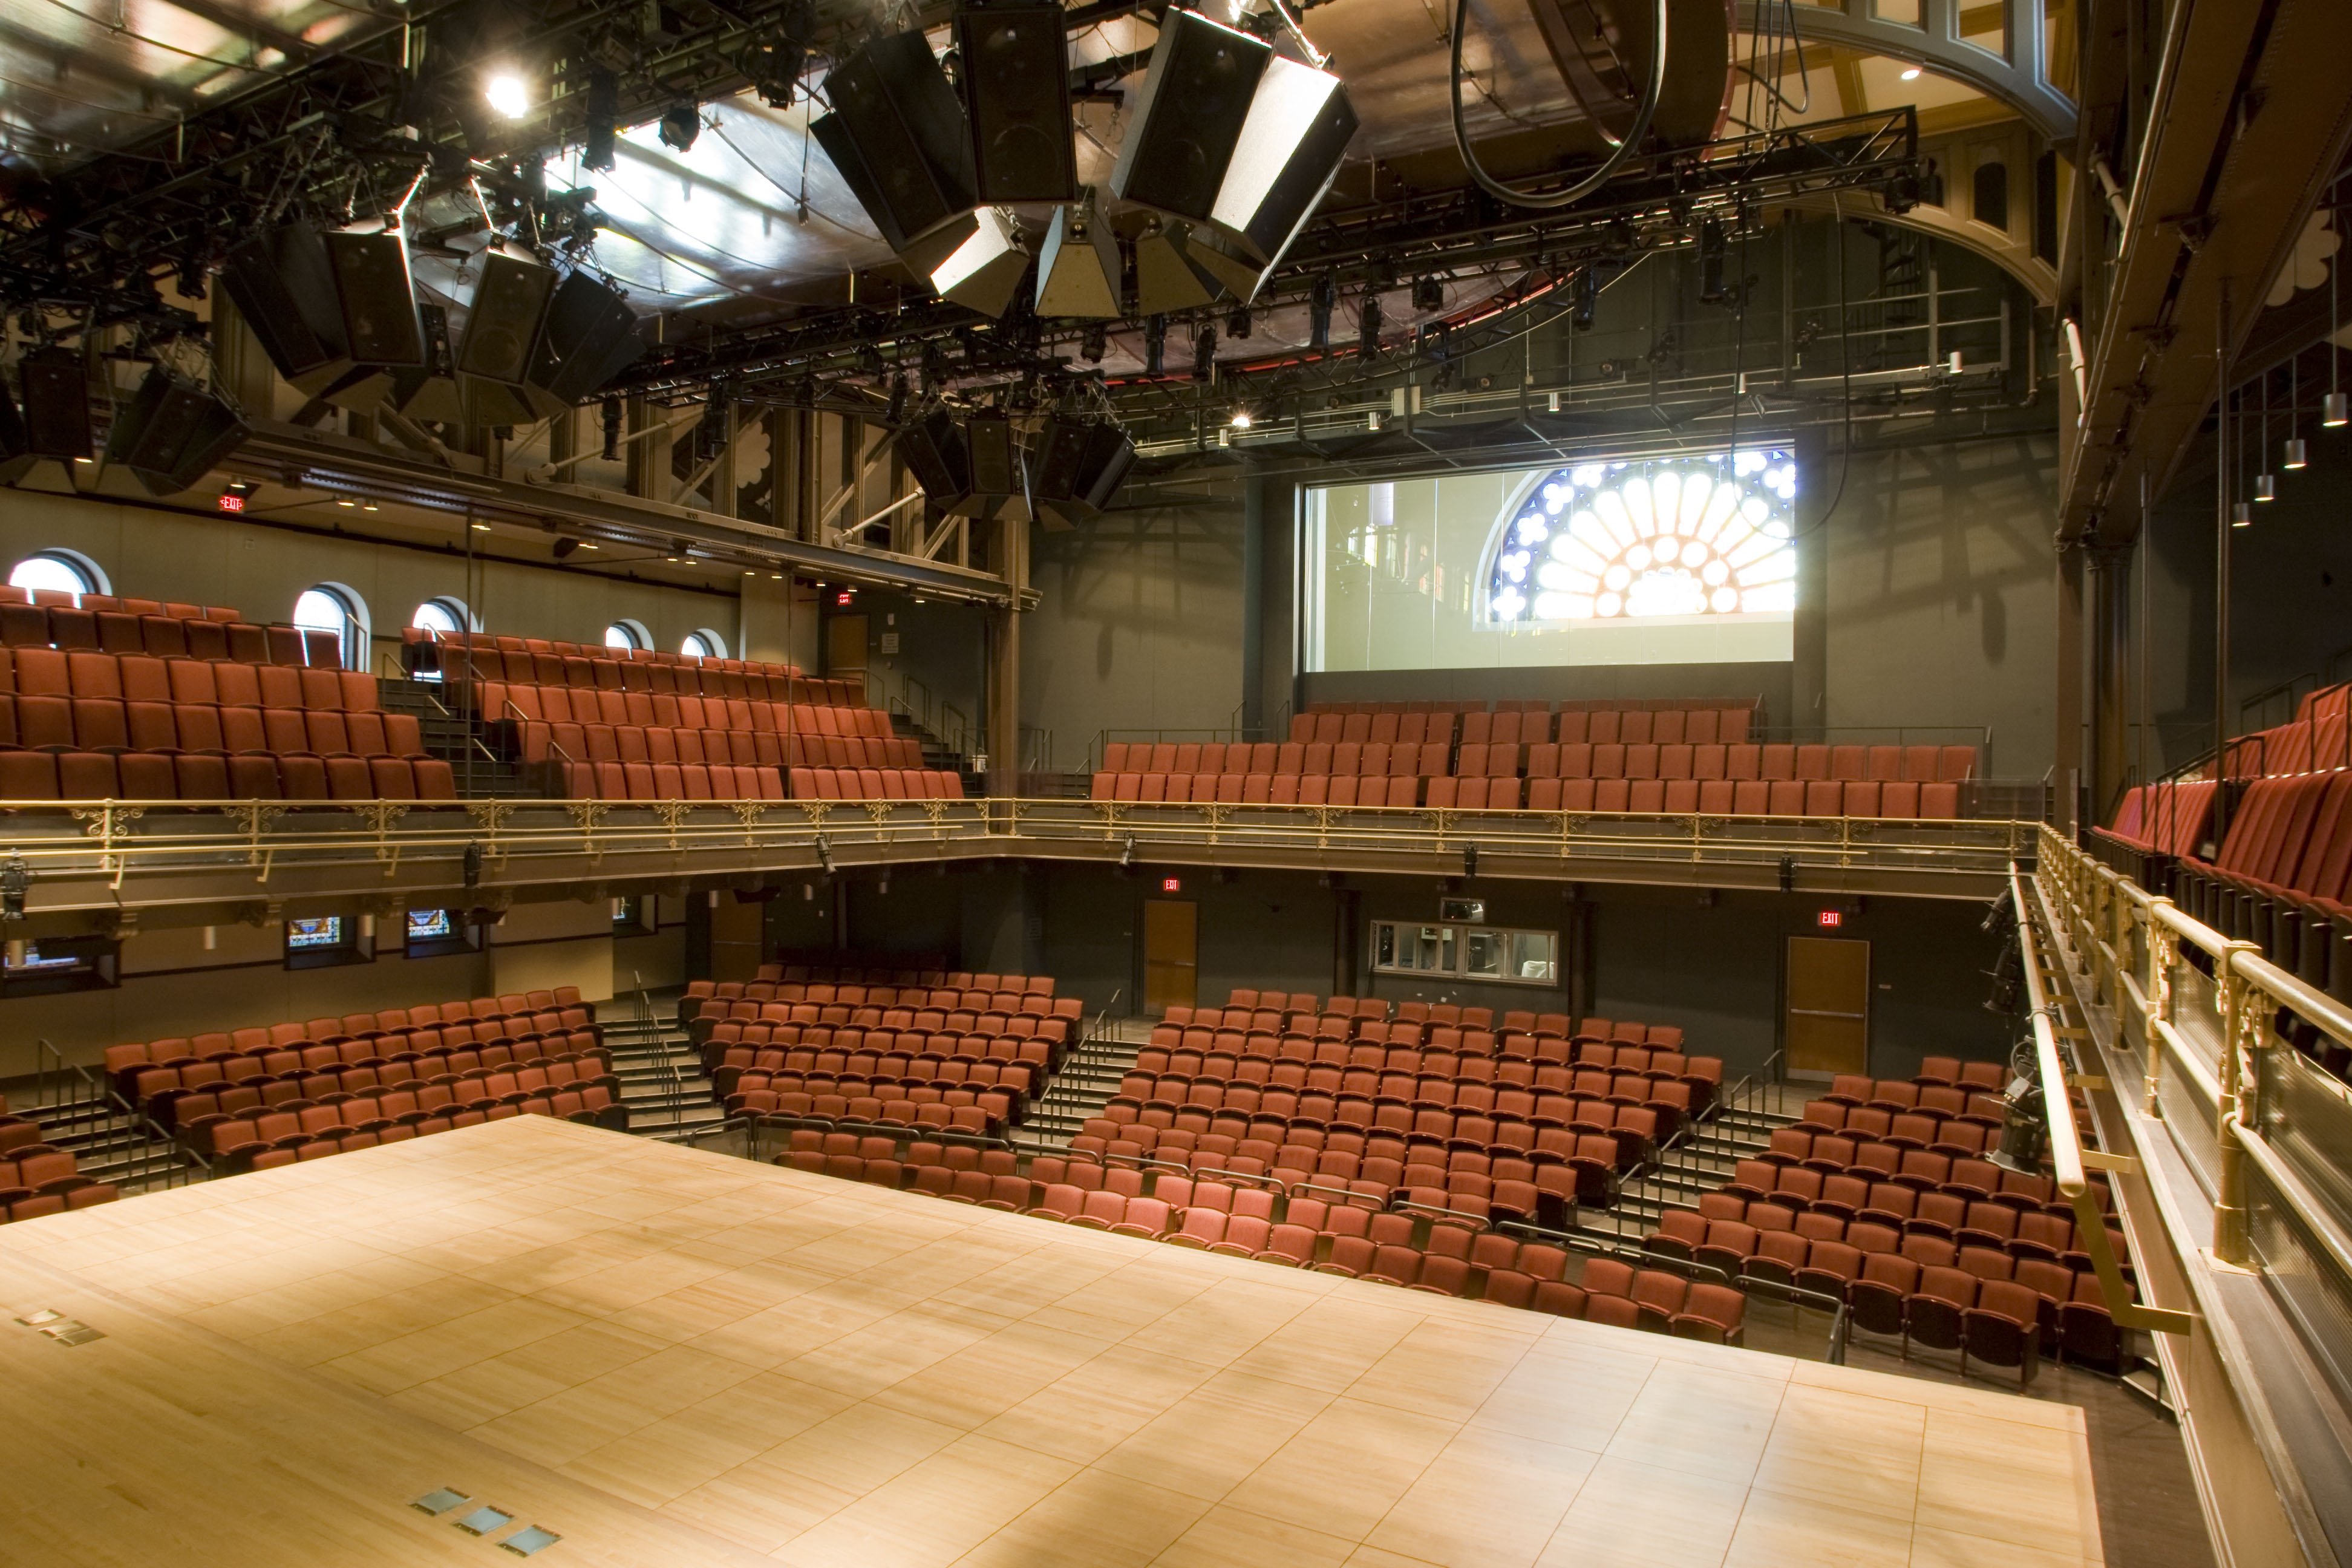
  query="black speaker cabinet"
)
[
  {"x": 590, "y": 337},
  {"x": 1188, "y": 116},
  {"x": 56, "y": 405},
  {"x": 378, "y": 296},
  {"x": 284, "y": 289},
  {"x": 1080, "y": 467},
  {"x": 898, "y": 137},
  {"x": 171, "y": 432},
  {"x": 1299, "y": 124},
  {"x": 1110, "y": 454},
  {"x": 1017, "y": 81},
  {"x": 933, "y": 450},
  {"x": 429, "y": 391},
  {"x": 502, "y": 327},
  {"x": 1060, "y": 453},
  {"x": 996, "y": 456},
  {"x": 16, "y": 457}
]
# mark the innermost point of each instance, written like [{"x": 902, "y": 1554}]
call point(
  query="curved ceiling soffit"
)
[{"x": 2021, "y": 80}]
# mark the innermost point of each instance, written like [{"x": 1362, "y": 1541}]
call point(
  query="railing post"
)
[
  {"x": 2163, "y": 953},
  {"x": 2239, "y": 1016}
]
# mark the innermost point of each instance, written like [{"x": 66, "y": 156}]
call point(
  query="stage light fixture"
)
[
  {"x": 1318, "y": 313},
  {"x": 1237, "y": 324},
  {"x": 1204, "y": 354},
  {"x": 1368, "y": 326},
  {"x": 1155, "y": 345},
  {"x": 1428, "y": 296},
  {"x": 506, "y": 93},
  {"x": 1094, "y": 343},
  {"x": 680, "y": 124},
  {"x": 2296, "y": 456}
]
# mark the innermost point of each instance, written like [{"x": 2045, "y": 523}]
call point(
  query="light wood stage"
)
[{"x": 672, "y": 1356}]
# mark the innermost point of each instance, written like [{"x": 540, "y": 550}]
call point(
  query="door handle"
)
[{"x": 1823, "y": 1013}]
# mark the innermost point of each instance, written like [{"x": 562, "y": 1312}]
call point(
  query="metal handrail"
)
[{"x": 2065, "y": 1141}]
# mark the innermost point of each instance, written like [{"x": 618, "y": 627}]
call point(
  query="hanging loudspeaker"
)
[
  {"x": 590, "y": 337},
  {"x": 171, "y": 432},
  {"x": 984, "y": 271},
  {"x": 1299, "y": 124},
  {"x": 1016, "y": 78},
  {"x": 1000, "y": 479},
  {"x": 502, "y": 327},
  {"x": 56, "y": 405},
  {"x": 17, "y": 458},
  {"x": 378, "y": 298},
  {"x": 284, "y": 289},
  {"x": 1188, "y": 115},
  {"x": 898, "y": 137},
  {"x": 429, "y": 392},
  {"x": 933, "y": 450},
  {"x": 1077, "y": 269},
  {"x": 1168, "y": 277}
]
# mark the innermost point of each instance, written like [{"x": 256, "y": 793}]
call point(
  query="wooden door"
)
[
  {"x": 845, "y": 644},
  {"x": 736, "y": 930},
  {"x": 1827, "y": 1029},
  {"x": 1171, "y": 954}
]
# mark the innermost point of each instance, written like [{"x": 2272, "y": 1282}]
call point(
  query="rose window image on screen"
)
[{"x": 1705, "y": 535}]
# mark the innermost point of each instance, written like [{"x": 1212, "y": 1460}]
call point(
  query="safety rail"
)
[{"x": 117, "y": 849}]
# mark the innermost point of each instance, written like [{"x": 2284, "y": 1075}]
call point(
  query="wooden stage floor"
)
[{"x": 671, "y": 1356}]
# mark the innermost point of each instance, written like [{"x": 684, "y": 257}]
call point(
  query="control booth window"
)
[
  {"x": 325, "y": 941},
  {"x": 1447, "y": 950},
  {"x": 432, "y": 932},
  {"x": 49, "y": 965}
]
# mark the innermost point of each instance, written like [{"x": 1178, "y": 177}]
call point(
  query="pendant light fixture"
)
[
  {"x": 2335, "y": 413},
  {"x": 2294, "y": 457},
  {"x": 2241, "y": 514},
  {"x": 2265, "y": 485}
]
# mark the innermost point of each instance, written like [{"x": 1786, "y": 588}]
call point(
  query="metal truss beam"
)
[{"x": 2019, "y": 75}]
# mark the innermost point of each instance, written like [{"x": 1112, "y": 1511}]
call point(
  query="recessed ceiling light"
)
[
  {"x": 585, "y": 545},
  {"x": 345, "y": 501},
  {"x": 481, "y": 528},
  {"x": 367, "y": 506},
  {"x": 1910, "y": 73}
]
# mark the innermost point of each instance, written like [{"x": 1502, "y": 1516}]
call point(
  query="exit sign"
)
[
  {"x": 1832, "y": 917},
  {"x": 1171, "y": 885}
]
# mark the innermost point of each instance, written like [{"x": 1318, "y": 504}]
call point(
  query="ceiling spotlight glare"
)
[
  {"x": 2297, "y": 454},
  {"x": 1240, "y": 419},
  {"x": 1910, "y": 73},
  {"x": 507, "y": 94},
  {"x": 680, "y": 124},
  {"x": 367, "y": 506}
]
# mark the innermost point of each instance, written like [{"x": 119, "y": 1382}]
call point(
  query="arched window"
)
[
  {"x": 61, "y": 571},
  {"x": 1674, "y": 536},
  {"x": 704, "y": 644},
  {"x": 331, "y": 607},
  {"x": 627, "y": 635},
  {"x": 444, "y": 614}
]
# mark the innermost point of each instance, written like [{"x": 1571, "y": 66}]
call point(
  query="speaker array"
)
[
  {"x": 338, "y": 315},
  {"x": 1229, "y": 142},
  {"x": 173, "y": 432},
  {"x": 981, "y": 467}
]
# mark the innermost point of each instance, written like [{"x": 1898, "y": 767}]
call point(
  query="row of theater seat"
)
[
  {"x": 1702, "y": 726},
  {"x": 1299, "y": 1232},
  {"x": 57, "y": 599},
  {"x": 145, "y": 677},
  {"x": 286, "y": 1134},
  {"x": 173, "y": 1095},
  {"x": 1574, "y": 1167},
  {"x": 643, "y": 709},
  {"x": 815, "y": 1025},
  {"x": 2283, "y": 877},
  {"x": 980, "y": 1113},
  {"x": 1373, "y": 1009},
  {"x": 1738, "y": 763},
  {"x": 531, "y": 661},
  {"x": 1647, "y": 797},
  {"x": 1435, "y": 1078},
  {"x": 202, "y": 1116},
  {"x": 111, "y": 724},
  {"x": 511, "y": 1013},
  {"x": 2317, "y": 738},
  {"x": 875, "y": 784},
  {"x": 166, "y": 635},
  {"x": 158, "y": 775},
  {"x": 37, "y": 1179},
  {"x": 947, "y": 992},
  {"x": 983, "y": 1060}
]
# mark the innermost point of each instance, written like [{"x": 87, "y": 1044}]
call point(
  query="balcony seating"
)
[
  {"x": 97, "y": 623},
  {"x": 1666, "y": 762}
]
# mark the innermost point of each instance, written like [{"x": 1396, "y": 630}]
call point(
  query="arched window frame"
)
[
  {"x": 355, "y": 632},
  {"x": 638, "y": 637},
  {"x": 460, "y": 618},
  {"x": 89, "y": 576},
  {"x": 703, "y": 643},
  {"x": 1749, "y": 549}
]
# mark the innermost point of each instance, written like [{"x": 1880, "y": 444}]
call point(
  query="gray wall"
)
[
  {"x": 1139, "y": 627},
  {"x": 1942, "y": 595}
]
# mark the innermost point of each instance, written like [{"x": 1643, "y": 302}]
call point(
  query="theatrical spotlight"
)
[
  {"x": 680, "y": 124},
  {"x": 2024, "y": 1131}
]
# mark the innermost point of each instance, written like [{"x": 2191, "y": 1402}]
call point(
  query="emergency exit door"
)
[
  {"x": 1826, "y": 1030},
  {"x": 1171, "y": 954}
]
